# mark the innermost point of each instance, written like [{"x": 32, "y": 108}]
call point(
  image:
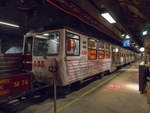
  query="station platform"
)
[{"x": 114, "y": 93}]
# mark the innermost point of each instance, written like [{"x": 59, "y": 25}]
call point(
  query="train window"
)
[
  {"x": 107, "y": 51},
  {"x": 92, "y": 44},
  {"x": 92, "y": 54},
  {"x": 100, "y": 50},
  {"x": 72, "y": 44},
  {"x": 100, "y": 54},
  {"x": 92, "y": 49},
  {"x": 46, "y": 45}
]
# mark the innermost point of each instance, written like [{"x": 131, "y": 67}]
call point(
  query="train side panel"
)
[
  {"x": 76, "y": 56},
  {"x": 80, "y": 66},
  {"x": 13, "y": 81}
]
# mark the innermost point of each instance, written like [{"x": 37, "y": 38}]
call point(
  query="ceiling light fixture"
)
[
  {"x": 136, "y": 46},
  {"x": 123, "y": 35},
  {"x": 145, "y": 33},
  {"x": 142, "y": 49},
  {"x": 8, "y": 24},
  {"x": 40, "y": 36},
  {"x": 127, "y": 36},
  {"x": 108, "y": 17},
  {"x": 117, "y": 50},
  {"x": 46, "y": 34}
]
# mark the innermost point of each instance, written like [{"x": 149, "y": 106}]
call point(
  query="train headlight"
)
[{"x": 142, "y": 49}]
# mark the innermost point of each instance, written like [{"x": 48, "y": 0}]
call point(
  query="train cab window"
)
[
  {"x": 100, "y": 50},
  {"x": 28, "y": 45},
  {"x": 46, "y": 45},
  {"x": 107, "y": 51},
  {"x": 72, "y": 44},
  {"x": 92, "y": 49}
]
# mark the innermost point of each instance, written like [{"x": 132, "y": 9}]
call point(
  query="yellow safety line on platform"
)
[{"x": 85, "y": 93}]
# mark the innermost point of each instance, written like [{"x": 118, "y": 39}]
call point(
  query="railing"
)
[{"x": 10, "y": 63}]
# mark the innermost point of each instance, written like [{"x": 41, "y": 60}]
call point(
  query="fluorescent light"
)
[
  {"x": 92, "y": 40},
  {"x": 76, "y": 37},
  {"x": 108, "y": 17},
  {"x": 40, "y": 36},
  {"x": 127, "y": 36},
  {"x": 142, "y": 49},
  {"x": 123, "y": 35},
  {"x": 145, "y": 33},
  {"x": 136, "y": 46},
  {"x": 46, "y": 34},
  {"x": 117, "y": 50},
  {"x": 8, "y": 24}
]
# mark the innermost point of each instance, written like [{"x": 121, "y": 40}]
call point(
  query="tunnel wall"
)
[{"x": 8, "y": 42}]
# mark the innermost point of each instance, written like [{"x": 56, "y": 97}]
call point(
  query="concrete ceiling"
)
[{"x": 132, "y": 15}]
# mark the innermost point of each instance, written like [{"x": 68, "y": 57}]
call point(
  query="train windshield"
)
[{"x": 46, "y": 44}]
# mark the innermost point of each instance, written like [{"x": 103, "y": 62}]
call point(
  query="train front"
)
[{"x": 41, "y": 55}]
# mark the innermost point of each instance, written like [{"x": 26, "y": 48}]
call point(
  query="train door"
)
[
  {"x": 127, "y": 57},
  {"x": 100, "y": 56},
  {"x": 44, "y": 48},
  {"x": 121, "y": 56},
  {"x": 72, "y": 50},
  {"x": 28, "y": 44},
  {"x": 108, "y": 55},
  {"x": 92, "y": 56},
  {"x": 46, "y": 55},
  {"x": 114, "y": 57},
  {"x": 118, "y": 57}
]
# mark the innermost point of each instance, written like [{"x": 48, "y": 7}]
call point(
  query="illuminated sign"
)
[
  {"x": 126, "y": 43},
  {"x": 145, "y": 33}
]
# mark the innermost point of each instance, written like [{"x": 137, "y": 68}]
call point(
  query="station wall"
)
[{"x": 11, "y": 43}]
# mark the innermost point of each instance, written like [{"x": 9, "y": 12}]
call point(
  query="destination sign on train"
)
[{"x": 126, "y": 43}]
